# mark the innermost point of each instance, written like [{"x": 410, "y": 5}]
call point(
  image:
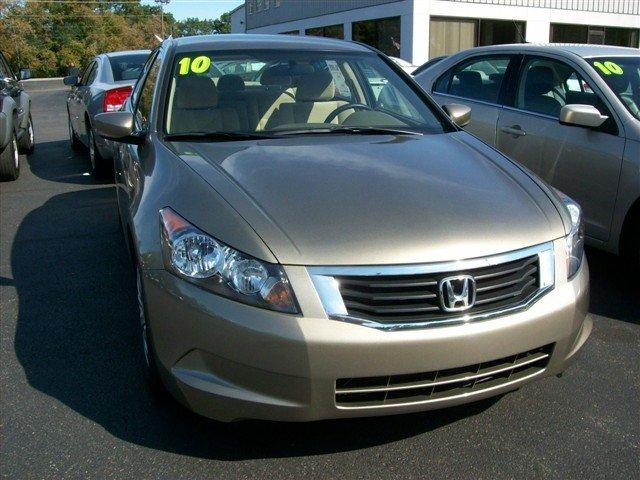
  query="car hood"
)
[{"x": 373, "y": 200}]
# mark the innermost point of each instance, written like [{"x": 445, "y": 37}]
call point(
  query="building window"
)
[
  {"x": 499, "y": 32},
  {"x": 383, "y": 34},
  {"x": 451, "y": 35},
  {"x": 330, "y": 31},
  {"x": 622, "y": 37}
]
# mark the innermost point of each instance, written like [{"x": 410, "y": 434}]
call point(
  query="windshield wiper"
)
[
  {"x": 215, "y": 136},
  {"x": 351, "y": 131}
]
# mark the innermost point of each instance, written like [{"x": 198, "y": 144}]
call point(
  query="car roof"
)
[
  {"x": 127, "y": 52},
  {"x": 580, "y": 49},
  {"x": 245, "y": 41}
]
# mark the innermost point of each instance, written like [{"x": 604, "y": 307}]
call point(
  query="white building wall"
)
[
  {"x": 415, "y": 15},
  {"x": 238, "y": 21}
]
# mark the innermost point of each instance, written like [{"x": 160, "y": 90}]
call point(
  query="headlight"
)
[
  {"x": 200, "y": 259},
  {"x": 575, "y": 239}
]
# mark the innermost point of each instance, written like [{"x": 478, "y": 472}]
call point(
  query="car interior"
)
[{"x": 287, "y": 95}]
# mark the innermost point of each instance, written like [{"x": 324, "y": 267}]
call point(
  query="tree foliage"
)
[{"x": 50, "y": 37}]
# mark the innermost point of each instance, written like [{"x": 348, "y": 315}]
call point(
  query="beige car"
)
[
  {"x": 569, "y": 113},
  {"x": 324, "y": 241}
]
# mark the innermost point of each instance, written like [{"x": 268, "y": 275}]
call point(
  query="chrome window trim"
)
[
  {"x": 458, "y": 97},
  {"x": 328, "y": 289}
]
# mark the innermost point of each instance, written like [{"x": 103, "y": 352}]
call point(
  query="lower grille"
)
[{"x": 441, "y": 384}]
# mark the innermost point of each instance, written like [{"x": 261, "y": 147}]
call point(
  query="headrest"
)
[
  {"x": 470, "y": 79},
  {"x": 539, "y": 81},
  {"x": 195, "y": 92},
  {"x": 230, "y": 84},
  {"x": 315, "y": 87},
  {"x": 277, "y": 75}
]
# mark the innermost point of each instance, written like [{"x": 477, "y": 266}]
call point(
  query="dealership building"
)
[{"x": 417, "y": 30}]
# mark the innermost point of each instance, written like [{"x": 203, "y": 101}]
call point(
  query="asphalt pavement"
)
[{"x": 74, "y": 404}]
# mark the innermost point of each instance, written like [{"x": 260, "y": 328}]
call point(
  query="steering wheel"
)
[{"x": 348, "y": 106}]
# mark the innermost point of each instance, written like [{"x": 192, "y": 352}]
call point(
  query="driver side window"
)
[{"x": 145, "y": 98}]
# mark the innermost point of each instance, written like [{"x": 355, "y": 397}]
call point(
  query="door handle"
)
[{"x": 515, "y": 130}]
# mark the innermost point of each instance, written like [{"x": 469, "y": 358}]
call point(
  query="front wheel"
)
[
  {"x": 10, "y": 161},
  {"x": 28, "y": 143}
]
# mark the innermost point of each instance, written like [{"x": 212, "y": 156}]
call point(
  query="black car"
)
[{"x": 16, "y": 126}]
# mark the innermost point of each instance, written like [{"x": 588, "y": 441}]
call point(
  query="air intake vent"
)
[{"x": 442, "y": 384}]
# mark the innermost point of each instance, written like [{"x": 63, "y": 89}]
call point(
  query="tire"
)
[
  {"x": 74, "y": 143},
  {"x": 10, "y": 161},
  {"x": 99, "y": 167},
  {"x": 28, "y": 143},
  {"x": 149, "y": 364}
]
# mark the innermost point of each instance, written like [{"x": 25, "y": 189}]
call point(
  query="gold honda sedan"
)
[{"x": 315, "y": 238}]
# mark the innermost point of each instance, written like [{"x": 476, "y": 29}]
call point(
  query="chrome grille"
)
[
  {"x": 414, "y": 298},
  {"x": 395, "y": 297},
  {"x": 441, "y": 384}
]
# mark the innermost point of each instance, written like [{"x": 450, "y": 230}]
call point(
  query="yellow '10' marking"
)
[
  {"x": 198, "y": 65},
  {"x": 609, "y": 68}
]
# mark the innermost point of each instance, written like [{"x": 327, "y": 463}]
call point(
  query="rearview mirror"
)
[
  {"x": 581, "y": 116},
  {"x": 71, "y": 80},
  {"x": 460, "y": 114},
  {"x": 118, "y": 126},
  {"x": 25, "y": 74}
]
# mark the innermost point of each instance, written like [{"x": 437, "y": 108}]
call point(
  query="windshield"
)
[
  {"x": 288, "y": 92},
  {"x": 127, "y": 67},
  {"x": 622, "y": 74}
]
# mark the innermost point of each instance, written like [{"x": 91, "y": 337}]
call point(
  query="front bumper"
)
[{"x": 230, "y": 361}]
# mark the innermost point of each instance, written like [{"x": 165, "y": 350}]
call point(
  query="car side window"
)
[
  {"x": 143, "y": 105},
  {"x": 546, "y": 85},
  {"x": 86, "y": 73},
  {"x": 143, "y": 75},
  {"x": 92, "y": 74},
  {"x": 475, "y": 79}
]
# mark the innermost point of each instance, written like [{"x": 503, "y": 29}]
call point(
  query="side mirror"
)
[
  {"x": 118, "y": 126},
  {"x": 581, "y": 116},
  {"x": 25, "y": 74},
  {"x": 460, "y": 114},
  {"x": 71, "y": 80}
]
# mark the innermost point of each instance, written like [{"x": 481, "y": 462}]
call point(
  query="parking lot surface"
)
[{"x": 74, "y": 404}]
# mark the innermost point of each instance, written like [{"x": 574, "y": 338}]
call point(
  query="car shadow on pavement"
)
[
  {"x": 69, "y": 166},
  {"x": 615, "y": 293},
  {"x": 76, "y": 341}
]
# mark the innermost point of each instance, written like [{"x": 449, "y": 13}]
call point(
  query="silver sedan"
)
[
  {"x": 103, "y": 86},
  {"x": 570, "y": 113}
]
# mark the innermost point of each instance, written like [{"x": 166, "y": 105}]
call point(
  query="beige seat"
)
[
  {"x": 196, "y": 109},
  {"x": 279, "y": 90},
  {"x": 315, "y": 100}
]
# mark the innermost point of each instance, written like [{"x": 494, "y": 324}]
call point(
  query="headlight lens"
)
[
  {"x": 199, "y": 258},
  {"x": 575, "y": 239}
]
